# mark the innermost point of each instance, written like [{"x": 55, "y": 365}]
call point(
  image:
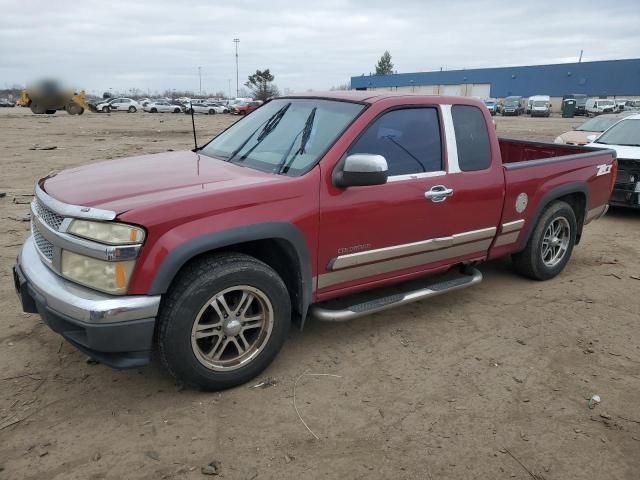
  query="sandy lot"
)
[{"x": 457, "y": 387}]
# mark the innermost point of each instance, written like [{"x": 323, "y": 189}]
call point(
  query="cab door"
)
[{"x": 430, "y": 214}]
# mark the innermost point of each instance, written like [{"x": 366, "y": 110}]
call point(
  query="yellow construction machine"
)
[{"x": 48, "y": 97}]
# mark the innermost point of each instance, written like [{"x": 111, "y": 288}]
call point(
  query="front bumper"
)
[{"x": 115, "y": 330}]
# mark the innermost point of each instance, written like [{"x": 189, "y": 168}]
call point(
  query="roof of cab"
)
[{"x": 373, "y": 96}]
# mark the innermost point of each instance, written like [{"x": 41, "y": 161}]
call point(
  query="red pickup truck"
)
[{"x": 210, "y": 255}]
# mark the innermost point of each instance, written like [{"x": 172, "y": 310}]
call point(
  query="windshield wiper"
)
[
  {"x": 399, "y": 145},
  {"x": 283, "y": 166},
  {"x": 267, "y": 127}
]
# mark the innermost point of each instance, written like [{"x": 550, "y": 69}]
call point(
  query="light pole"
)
[
  {"x": 200, "y": 77},
  {"x": 229, "y": 89},
  {"x": 237, "y": 41}
]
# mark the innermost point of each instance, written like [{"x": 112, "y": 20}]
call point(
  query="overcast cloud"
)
[{"x": 155, "y": 45}]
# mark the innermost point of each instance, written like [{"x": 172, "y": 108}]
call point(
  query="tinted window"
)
[
  {"x": 409, "y": 139},
  {"x": 472, "y": 138}
]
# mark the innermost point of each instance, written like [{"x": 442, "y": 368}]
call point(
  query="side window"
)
[
  {"x": 408, "y": 138},
  {"x": 472, "y": 138}
]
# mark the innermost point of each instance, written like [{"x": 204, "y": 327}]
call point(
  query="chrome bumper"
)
[{"x": 80, "y": 303}]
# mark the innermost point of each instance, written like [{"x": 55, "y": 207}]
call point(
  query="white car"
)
[
  {"x": 162, "y": 106},
  {"x": 624, "y": 138},
  {"x": 209, "y": 108},
  {"x": 118, "y": 105}
]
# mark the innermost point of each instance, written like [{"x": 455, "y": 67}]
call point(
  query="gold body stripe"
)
[
  {"x": 379, "y": 254},
  {"x": 363, "y": 271}
]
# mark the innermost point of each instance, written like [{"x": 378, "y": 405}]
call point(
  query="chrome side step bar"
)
[{"x": 395, "y": 300}]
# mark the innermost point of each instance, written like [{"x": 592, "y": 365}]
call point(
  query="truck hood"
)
[
  {"x": 127, "y": 183},
  {"x": 629, "y": 153}
]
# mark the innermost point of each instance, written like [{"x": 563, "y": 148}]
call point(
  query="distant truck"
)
[
  {"x": 540, "y": 106},
  {"x": 581, "y": 102},
  {"x": 514, "y": 105},
  {"x": 598, "y": 106},
  {"x": 47, "y": 97},
  {"x": 210, "y": 254}
]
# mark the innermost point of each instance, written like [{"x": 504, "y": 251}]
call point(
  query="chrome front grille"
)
[
  {"x": 44, "y": 245},
  {"x": 48, "y": 216}
]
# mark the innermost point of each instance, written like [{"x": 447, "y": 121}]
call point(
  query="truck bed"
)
[
  {"x": 514, "y": 151},
  {"x": 537, "y": 172}
]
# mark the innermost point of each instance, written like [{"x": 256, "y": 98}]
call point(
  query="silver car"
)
[{"x": 162, "y": 106}]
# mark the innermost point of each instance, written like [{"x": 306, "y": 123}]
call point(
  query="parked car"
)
[
  {"x": 163, "y": 106},
  {"x": 513, "y": 105},
  {"x": 540, "y": 106},
  {"x": 212, "y": 253},
  {"x": 245, "y": 108},
  {"x": 632, "y": 105},
  {"x": 209, "y": 108},
  {"x": 118, "y": 105},
  {"x": 624, "y": 138},
  {"x": 581, "y": 102},
  {"x": 598, "y": 106},
  {"x": 594, "y": 126},
  {"x": 4, "y": 102},
  {"x": 492, "y": 105}
]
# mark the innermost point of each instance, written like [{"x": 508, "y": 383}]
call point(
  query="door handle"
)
[{"x": 438, "y": 193}]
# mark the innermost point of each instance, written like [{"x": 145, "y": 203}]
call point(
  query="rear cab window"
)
[{"x": 472, "y": 138}]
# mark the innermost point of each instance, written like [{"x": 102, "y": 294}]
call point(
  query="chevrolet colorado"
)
[{"x": 209, "y": 255}]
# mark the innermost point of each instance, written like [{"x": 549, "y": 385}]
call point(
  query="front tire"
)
[
  {"x": 223, "y": 321},
  {"x": 132, "y": 109},
  {"x": 106, "y": 109},
  {"x": 176, "y": 110},
  {"x": 550, "y": 245},
  {"x": 212, "y": 112},
  {"x": 153, "y": 110}
]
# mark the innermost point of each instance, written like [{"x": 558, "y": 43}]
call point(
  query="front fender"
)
[{"x": 288, "y": 232}]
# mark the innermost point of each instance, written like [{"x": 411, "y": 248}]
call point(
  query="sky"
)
[{"x": 156, "y": 45}]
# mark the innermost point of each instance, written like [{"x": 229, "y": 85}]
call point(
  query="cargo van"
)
[
  {"x": 513, "y": 105},
  {"x": 596, "y": 106},
  {"x": 540, "y": 106}
]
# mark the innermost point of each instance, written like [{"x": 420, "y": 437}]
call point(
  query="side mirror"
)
[
  {"x": 361, "y": 170},
  {"x": 591, "y": 138}
]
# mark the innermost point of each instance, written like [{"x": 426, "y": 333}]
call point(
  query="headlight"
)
[
  {"x": 110, "y": 233},
  {"x": 558, "y": 140},
  {"x": 109, "y": 277}
]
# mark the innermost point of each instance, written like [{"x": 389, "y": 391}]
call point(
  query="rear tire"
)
[
  {"x": 132, "y": 109},
  {"x": 216, "y": 306},
  {"x": 176, "y": 110},
  {"x": 153, "y": 110},
  {"x": 212, "y": 112},
  {"x": 550, "y": 245}
]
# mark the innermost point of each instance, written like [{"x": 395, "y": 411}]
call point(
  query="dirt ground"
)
[{"x": 483, "y": 383}]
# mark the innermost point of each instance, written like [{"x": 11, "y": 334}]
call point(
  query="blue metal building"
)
[{"x": 602, "y": 78}]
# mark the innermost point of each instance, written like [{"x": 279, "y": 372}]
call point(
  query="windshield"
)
[
  {"x": 489, "y": 102},
  {"x": 539, "y": 103},
  {"x": 626, "y": 133},
  {"x": 511, "y": 101},
  {"x": 285, "y": 136},
  {"x": 605, "y": 103},
  {"x": 597, "y": 124}
]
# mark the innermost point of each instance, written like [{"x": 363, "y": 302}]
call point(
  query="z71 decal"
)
[{"x": 603, "y": 170}]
